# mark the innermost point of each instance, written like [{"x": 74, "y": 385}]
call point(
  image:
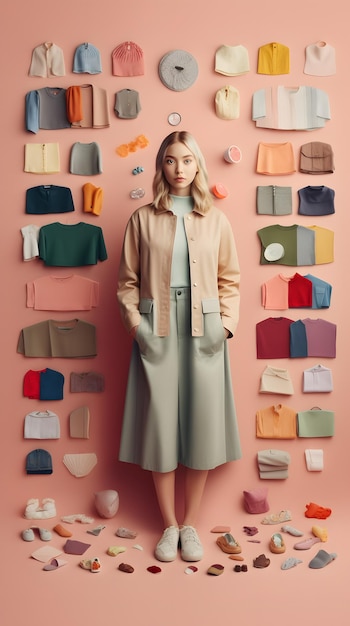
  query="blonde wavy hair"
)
[{"x": 200, "y": 192}]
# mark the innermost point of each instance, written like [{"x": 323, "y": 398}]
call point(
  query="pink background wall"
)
[{"x": 71, "y": 595}]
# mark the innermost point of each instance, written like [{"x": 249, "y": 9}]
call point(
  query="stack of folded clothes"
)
[{"x": 273, "y": 464}]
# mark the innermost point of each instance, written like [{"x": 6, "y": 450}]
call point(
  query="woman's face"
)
[{"x": 179, "y": 168}]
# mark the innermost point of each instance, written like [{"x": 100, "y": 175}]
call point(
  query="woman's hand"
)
[{"x": 133, "y": 332}]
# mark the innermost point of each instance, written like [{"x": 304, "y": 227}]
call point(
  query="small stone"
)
[
  {"x": 125, "y": 567},
  {"x": 137, "y": 546},
  {"x": 95, "y": 565},
  {"x": 154, "y": 569},
  {"x": 215, "y": 570},
  {"x": 261, "y": 561},
  {"x": 96, "y": 531},
  {"x": 125, "y": 533},
  {"x": 191, "y": 569},
  {"x": 236, "y": 557},
  {"x": 250, "y": 530},
  {"x": 62, "y": 531},
  {"x": 114, "y": 550},
  {"x": 220, "y": 529}
]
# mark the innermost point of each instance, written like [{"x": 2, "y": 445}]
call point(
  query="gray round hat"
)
[{"x": 178, "y": 70}]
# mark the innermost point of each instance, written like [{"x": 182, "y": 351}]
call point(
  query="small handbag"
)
[
  {"x": 315, "y": 423},
  {"x": 276, "y": 380},
  {"x": 316, "y": 157}
]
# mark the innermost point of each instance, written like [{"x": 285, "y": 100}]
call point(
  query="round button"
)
[
  {"x": 274, "y": 252},
  {"x": 174, "y": 118},
  {"x": 220, "y": 191}
]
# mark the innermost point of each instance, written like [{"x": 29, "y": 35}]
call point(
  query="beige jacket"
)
[{"x": 145, "y": 267}]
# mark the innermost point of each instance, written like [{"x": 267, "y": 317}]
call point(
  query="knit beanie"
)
[
  {"x": 39, "y": 462},
  {"x": 320, "y": 59},
  {"x": 127, "y": 60},
  {"x": 87, "y": 59},
  {"x": 232, "y": 60}
]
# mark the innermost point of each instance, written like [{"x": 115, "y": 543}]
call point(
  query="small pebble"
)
[
  {"x": 154, "y": 569},
  {"x": 125, "y": 533},
  {"x": 250, "y": 530},
  {"x": 236, "y": 557},
  {"x": 114, "y": 550},
  {"x": 215, "y": 570},
  {"x": 137, "y": 546},
  {"x": 240, "y": 568},
  {"x": 220, "y": 529},
  {"x": 96, "y": 531},
  {"x": 125, "y": 567},
  {"x": 95, "y": 564}
]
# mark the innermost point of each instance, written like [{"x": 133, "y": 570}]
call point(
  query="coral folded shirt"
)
[
  {"x": 62, "y": 293},
  {"x": 283, "y": 292}
]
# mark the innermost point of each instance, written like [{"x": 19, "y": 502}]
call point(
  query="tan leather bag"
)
[{"x": 316, "y": 157}]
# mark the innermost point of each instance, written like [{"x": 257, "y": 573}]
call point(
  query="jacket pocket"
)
[
  {"x": 320, "y": 297},
  {"x": 146, "y": 305},
  {"x": 210, "y": 305},
  {"x": 145, "y": 329},
  {"x": 214, "y": 334}
]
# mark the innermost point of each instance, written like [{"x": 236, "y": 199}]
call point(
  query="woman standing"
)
[{"x": 178, "y": 292}]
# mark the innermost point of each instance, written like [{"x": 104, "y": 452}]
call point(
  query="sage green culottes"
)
[{"x": 179, "y": 405}]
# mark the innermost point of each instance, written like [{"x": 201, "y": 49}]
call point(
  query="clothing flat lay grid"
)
[
  {"x": 198, "y": 445},
  {"x": 278, "y": 338}
]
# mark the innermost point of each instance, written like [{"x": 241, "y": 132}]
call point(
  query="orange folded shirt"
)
[{"x": 276, "y": 422}]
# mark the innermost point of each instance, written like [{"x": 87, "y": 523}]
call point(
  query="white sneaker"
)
[
  {"x": 191, "y": 547},
  {"x": 166, "y": 548}
]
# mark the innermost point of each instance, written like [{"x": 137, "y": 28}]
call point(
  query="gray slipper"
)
[{"x": 322, "y": 559}]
